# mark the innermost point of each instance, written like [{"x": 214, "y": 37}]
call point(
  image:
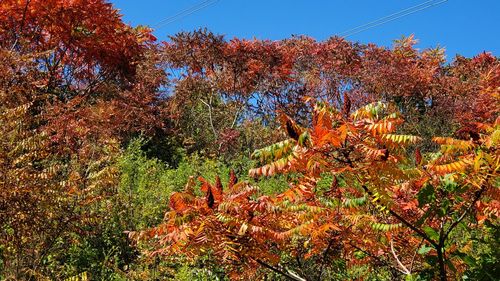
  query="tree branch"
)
[
  {"x": 407, "y": 223},
  {"x": 453, "y": 225},
  {"x": 415, "y": 255},
  {"x": 210, "y": 117},
  {"x": 323, "y": 259},
  {"x": 377, "y": 258},
  {"x": 289, "y": 275},
  {"x": 405, "y": 270}
]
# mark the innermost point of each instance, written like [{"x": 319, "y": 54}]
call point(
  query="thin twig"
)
[
  {"x": 415, "y": 255},
  {"x": 478, "y": 195},
  {"x": 210, "y": 116},
  {"x": 405, "y": 270}
]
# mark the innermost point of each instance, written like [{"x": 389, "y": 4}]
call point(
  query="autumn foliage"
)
[
  {"x": 386, "y": 157},
  {"x": 244, "y": 78},
  {"x": 75, "y": 83},
  {"x": 379, "y": 202}
]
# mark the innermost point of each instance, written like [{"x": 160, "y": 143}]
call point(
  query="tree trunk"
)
[{"x": 442, "y": 268}]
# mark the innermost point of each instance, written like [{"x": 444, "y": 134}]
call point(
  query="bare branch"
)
[
  {"x": 210, "y": 117},
  {"x": 405, "y": 270},
  {"x": 290, "y": 275}
]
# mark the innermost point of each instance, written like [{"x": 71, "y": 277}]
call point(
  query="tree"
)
[
  {"x": 76, "y": 83},
  {"x": 396, "y": 213},
  {"x": 427, "y": 201},
  {"x": 237, "y": 80},
  {"x": 96, "y": 70}
]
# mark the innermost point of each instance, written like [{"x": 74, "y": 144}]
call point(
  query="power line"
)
[
  {"x": 391, "y": 17},
  {"x": 386, "y": 17},
  {"x": 184, "y": 13}
]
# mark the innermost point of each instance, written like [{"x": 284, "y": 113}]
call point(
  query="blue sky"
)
[{"x": 467, "y": 27}]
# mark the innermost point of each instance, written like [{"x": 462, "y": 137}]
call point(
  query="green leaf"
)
[
  {"x": 424, "y": 249},
  {"x": 431, "y": 233},
  {"x": 426, "y": 195},
  {"x": 359, "y": 255},
  {"x": 451, "y": 266},
  {"x": 443, "y": 208},
  {"x": 410, "y": 277},
  {"x": 355, "y": 202},
  {"x": 304, "y": 139},
  {"x": 469, "y": 261}
]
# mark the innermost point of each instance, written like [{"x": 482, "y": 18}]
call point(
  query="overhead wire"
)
[
  {"x": 391, "y": 17},
  {"x": 383, "y": 20},
  {"x": 184, "y": 13},
  {"x": 388, "y": 16}
]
